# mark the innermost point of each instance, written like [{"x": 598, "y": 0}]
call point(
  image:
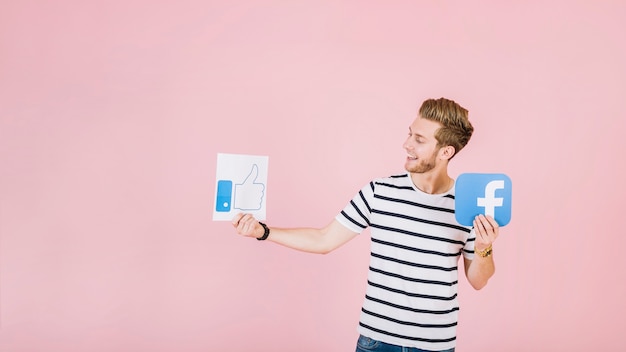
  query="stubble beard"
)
[{"x": 423, "y": 166}]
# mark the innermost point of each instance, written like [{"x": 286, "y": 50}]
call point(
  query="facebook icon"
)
[{"x": 488, "y": 194}]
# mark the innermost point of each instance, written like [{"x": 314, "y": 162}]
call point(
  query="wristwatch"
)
[
  {"x": 485, "y": 252},
  {"x": 265, "y": 234}
]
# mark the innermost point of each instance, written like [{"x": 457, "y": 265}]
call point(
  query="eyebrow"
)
[{"x": 416, "y": 134}]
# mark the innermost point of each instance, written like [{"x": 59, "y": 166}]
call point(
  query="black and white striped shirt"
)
[{"x": 411, "y": 296}]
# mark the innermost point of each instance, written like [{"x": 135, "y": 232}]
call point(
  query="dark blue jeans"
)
[{"x": 365, "y": 344}]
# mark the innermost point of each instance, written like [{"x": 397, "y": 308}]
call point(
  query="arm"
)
[
  {"x": 479, "y": 270},
  {"x": 311, "y": 240}
]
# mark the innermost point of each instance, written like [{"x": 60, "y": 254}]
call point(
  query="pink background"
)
[{"x": 112, "y": 114}]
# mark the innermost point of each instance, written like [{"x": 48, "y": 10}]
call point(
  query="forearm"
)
[
  {"x": 482, "y": 267},
  {"x": 303, "y": 239},
  {"x": 310, "y": 240},
  {"x": 480, "y": 270}
]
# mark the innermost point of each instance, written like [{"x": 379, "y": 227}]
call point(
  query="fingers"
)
[
  {"x": 486, "y": 229},
  {"x": 492, "y": 222},
  {"x": 237, "y": 218},
  {"x": 245, "y": 224}
]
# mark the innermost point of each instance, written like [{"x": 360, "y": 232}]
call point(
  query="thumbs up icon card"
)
[{"x": 241, "y": 186}]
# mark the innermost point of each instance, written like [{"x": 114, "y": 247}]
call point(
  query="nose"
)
[{"x": 407, "y": 145}]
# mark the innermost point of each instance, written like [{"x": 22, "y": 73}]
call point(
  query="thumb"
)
[{"x": 254, "y": 173}]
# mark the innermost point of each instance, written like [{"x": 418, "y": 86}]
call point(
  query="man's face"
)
[{"x": 421, "y": 146}]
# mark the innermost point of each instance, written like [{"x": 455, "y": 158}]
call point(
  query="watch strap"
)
[{"x": 265, "y": 234}]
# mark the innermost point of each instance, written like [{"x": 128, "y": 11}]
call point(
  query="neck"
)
[{"x": 432, "y": 183}]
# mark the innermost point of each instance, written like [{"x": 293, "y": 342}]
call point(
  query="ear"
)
[{"x": 447, "y": 152}]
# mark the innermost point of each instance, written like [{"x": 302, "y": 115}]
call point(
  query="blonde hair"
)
[{"x": 455, "y": 130}]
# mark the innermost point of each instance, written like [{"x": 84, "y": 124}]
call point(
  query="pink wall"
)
[{"x": 112, "y": 115}]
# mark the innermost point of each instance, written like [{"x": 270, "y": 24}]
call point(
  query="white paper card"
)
[{"x": 240, "y": 186}]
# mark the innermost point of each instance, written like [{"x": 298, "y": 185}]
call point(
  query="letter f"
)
[{"x": 490, "y": 202}]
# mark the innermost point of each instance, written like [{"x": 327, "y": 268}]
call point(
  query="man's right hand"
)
[{"x": 247, "y": 225}]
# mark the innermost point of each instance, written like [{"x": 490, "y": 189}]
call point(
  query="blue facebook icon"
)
[{"x": 488, "y": 194}]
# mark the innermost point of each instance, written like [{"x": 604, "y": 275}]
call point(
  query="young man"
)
[{"x": 411, "y": 296}]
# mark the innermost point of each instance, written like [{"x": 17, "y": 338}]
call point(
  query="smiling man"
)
[{"x": 411, "y": 297}]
